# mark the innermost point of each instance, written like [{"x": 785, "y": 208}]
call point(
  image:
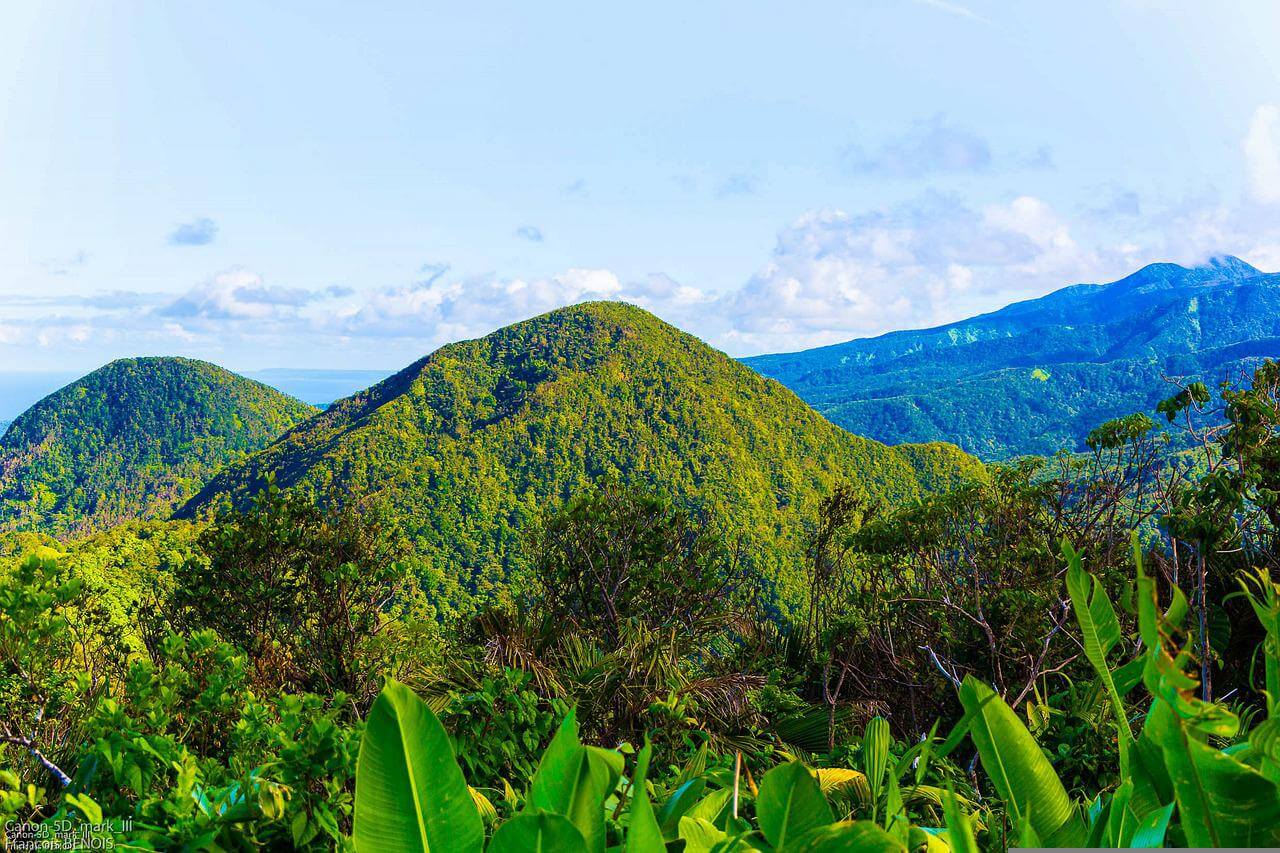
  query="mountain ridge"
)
[
  {"x": 961, "y": 381},
  {"x": 472, "y": 443}
]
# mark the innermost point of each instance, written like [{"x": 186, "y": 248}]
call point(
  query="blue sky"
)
[{"x": 351, "y": 185}]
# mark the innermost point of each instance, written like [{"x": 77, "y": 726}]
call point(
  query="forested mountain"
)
[
  {"x": 1036, "y": 376},
  {"x": 472, "y": 443},
  {"x": 133, "y": 439}
]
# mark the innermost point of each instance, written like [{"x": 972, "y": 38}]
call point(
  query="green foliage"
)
[
  {"x": 469, "y": 445},
  {"x": 318, "y": 599},
  {"x": 133, "y": 439},
  {"x": 499, "y": 725}
]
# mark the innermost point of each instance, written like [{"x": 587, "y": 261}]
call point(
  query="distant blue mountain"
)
[{"x": 1036, "y": 376}]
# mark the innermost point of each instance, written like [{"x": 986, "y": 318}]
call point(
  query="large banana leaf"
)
[
  {"x": 1021, "y": 774},
  {"x": 790, "y": 804},
  {"x": 410, "y": 794},
  {"x": 1100, "y": 630}
]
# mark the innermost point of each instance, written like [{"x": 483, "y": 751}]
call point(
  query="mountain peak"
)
[
  {"x": 470, "y": 444},
  {"x": 132, "y": 439},
  {"x": 1231, "y": 264}
]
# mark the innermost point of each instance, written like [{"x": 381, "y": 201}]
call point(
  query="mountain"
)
[
  {"x": 1036, "y": 376},
  {"x": 133, "y": 439},
  {"x": 470, "y": 445}
]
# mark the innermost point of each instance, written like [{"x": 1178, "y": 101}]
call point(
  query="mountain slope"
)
[
  {"x": 1036, "y": 376},
  {"x": 133, "y": 439},
  {"x": 474, "y": 442}
]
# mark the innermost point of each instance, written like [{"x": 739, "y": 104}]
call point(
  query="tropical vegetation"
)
[{"x": 886, "y": 649}]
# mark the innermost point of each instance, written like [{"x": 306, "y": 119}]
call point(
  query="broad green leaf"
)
[
  {"x": 1221, "y": 801},
  {"x": 537, "y": 832},
  {"x": 410, "y": 794},
  {"x": 699, "y": 835},
  {"x": 1100, "y": 630},
  {"x": 643, "y": 833},
  {"x": 790, "y": 803},
  {"x": 1021, "y": 774},
  {"x": 712, "y": 806},
  {"x": 862, "y": 836},
  {"x": 574, "y": 781},
  {"x": 959, "y": 829}
]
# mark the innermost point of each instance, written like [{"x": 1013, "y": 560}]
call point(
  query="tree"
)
[
  {"x": 319, "y": 598},
  {"x": 619, "y": 553}
]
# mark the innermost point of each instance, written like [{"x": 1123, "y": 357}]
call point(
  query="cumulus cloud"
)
[
  {"x": 1262, "y": 154},
  {"x": 931, "y": 146},
  {"x": 440, "y": 308},
  {"x": 532, "y": 233},
  {"x": 242, "y": 295},
  {"x": 835, "y": 275},
  {"x": 197, "y": 232}
]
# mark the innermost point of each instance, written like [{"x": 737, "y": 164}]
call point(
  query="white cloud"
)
[
  {"x": 1262, "y": 154},
  {"x": 834, "y": 276}
]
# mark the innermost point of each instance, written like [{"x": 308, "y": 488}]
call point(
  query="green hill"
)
[
  {"x": 470, "y": 444},
  {"x": 133, "y": 439}
]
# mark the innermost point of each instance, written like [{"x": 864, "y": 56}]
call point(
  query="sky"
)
[{"x": 343, "y": 185}]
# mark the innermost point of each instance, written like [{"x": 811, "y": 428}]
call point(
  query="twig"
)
[{"x": 26, "y": 743}]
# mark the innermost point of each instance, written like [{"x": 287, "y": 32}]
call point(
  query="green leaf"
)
[
  {"x": 537, "y": 832},
  {"x": 574, "y": 781},
  {"x": 1221, "y": 801},
  {"x": 790, "y": 803},
  {"x": 679, "y": 803},
  {"x": 699, "y": 835},
  {"x": 712, "y": 806},
  {"x": 1100, "y": 630},
  {"x": 410, "y": 794},
  {"x": 875, "y": 757},
  {"x": 83, "y": 803},
  {"x": 1151, "y": 829},
  {"x": 1021, "y": 774},
  {"x": 959, "y": 829},
  {"x": 862, "y": 836},
  {"x": 643, "y": 834}
]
